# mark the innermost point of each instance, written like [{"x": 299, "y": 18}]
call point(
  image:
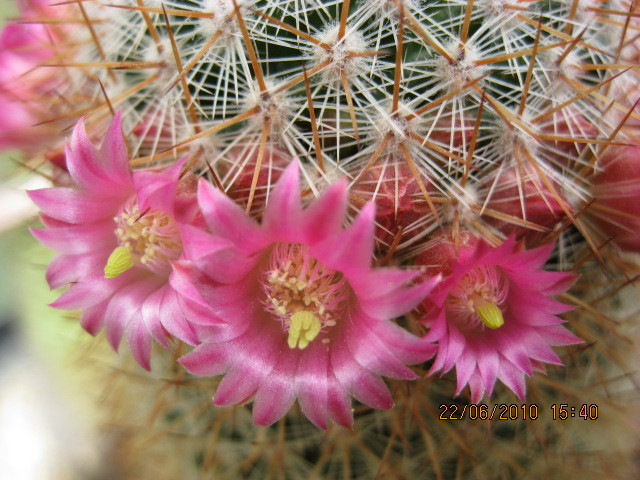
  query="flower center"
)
[
  {"x": 150, "y": 238},
  {"x": 478, "y": 297},
  {"x": 306, "y": 296}
]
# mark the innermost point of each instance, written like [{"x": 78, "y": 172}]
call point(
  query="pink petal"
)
[
  {"x": 88, "y": 292},
  {"x": 78, "y": 238},
  {"x": 558, "y": 335},
  {"x": 476, "y": 387},
  {"x": 362, "y": 384},
  {"x": 277, "y": 391},
  {"x": 437, "y": 324},
  {"x": 173, "y": 319},
  {"x": 216, "y": 302},
  {"x": 237, "y": 386},
  {"x": 206, "y": 360},
  {"x": 282, "y": 216},
  {"x": 465, "y": 367},
  {"x": 139, "y": 341},
  {"x": 352, "y": 250},
  {"x": 157, "y": 189},
  {"x": 215, "y": 255},
  {"x": 379, "y": 283},
  {"x": 92, "y": 319},
  {"x": 403, "y": 301},
  {"x": 513, "y": 378},
  {"x": 538, "y": 349},
  {"x": 488, "y": 365},
  {"x": 150, "y": 313},
  {"x": 124, "y": 307},
  {"x": 312, "y": 383},
  {"x": 324, "y": 217},
  {"x": 372, "y": 353},
  {"x": 226, "y": 219},
  {"x": 339, "y": 405},
  {"x": 74, "y": 206},
  {"x": 513, "y": 349},
  {"x": 371, "y": 390},
  {"x": 253, "y": 359},
  {"x": 455, "y": 346},
  {"x": 319, "y": 393},
  {"x": 85, "y": 165},
  {"x": 182, "y": 281},
  {"x": 66, "y": 269},
  {"x": 406, "y": 347},
  {"x": 114, "y": 153}
]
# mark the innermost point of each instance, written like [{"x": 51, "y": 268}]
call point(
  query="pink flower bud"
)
[{"x": 617, "y": 191}]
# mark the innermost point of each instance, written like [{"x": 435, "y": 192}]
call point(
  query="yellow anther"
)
[
  {"x": 119, "y": 262},
  {"x": 304, "y": 327},
  {"x": 490, "y": 315}
]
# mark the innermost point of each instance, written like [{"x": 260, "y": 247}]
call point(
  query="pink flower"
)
[
  {"x": 23, "y": 46},
  {"x": 23, "y": 85},
  {"x": 492, "y": 316},
  {"x": 305, "y": 315},
  {"x": 117, "y": 234}
]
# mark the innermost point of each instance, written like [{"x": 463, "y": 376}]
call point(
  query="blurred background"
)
[{"x": 46, "y": 417}]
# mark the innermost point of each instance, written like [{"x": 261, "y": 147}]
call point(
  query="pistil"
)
[
  {"x": 476, "y": 300},
  {"x": 303, "y": 294}
]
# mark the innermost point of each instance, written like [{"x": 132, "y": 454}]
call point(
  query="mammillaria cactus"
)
[{"x": 481, "y": 142}]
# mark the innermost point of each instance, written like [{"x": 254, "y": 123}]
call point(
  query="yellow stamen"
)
[
  {"x": 304, "y": 327},
  {"x": 119, "y": 262},
  {"x": 490, "y": 315}
]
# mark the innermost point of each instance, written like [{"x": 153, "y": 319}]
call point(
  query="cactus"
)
[{"x": 405, "y": 182}]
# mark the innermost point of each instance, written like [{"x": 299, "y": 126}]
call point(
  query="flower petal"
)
[
  {"x": 365, "y": 386},
  {"x": 277, "y": 391},
  {"x": 123, "y": 307},
  {"x": 150, "y": 313},
  {"x": 373, "y": 354},
  {"x": 114, "y": 153},
  {"x": 66, "y": 269},
  {"x": 78, "y": 238},
  {"x": 74, "y": 206},
  {"x": 88, "y": 292},
  {"x": 92, "y": 319},
  {"x": 403, "y": 301},
  {"x": 215, "y": 255},
  {"x": 207, "y": 360},
  {"x": 228, "y": 220},
  {"x": 157, "y": 189},
  {"x": 324, "y": 217},
  {"x": 260, "y": 351},
  {"x": 172, "y": 316},
  {"x": 86, "y": 166},
  {"x": 282, "y": 216},
  {"x": 352, "y": 250},
  {"x": 139, "y": 341}
]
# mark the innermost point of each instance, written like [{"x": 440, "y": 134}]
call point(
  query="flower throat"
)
[
  {"x": 150, "y": 238},
  {"x": 303, "y": 294}
]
